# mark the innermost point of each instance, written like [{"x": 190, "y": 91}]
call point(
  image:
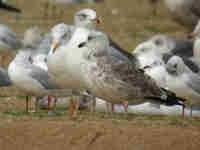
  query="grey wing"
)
[
  {"x": 4, "y": 78},
  {"x": 42, "y": 77},
  {"x": 183, "y": 48},
  {"x": 194, "y": 82}
]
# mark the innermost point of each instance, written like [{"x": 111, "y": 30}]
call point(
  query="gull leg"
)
[
  {"x": 107, "y": 108},
  {"x": 55, "y": 101},
  {"x": 48, "y": 105},
  {"x": 71, "y": 105},
  {"x": 92, "y": 105},
  {"x": 190, "y": 110},
  {"x": 36, "y": 104},
  {"x": 113, "y": 108},
  {"x": 27, "y": 99},
  {"x": 74, "y": 115},
  {"x": 125, "y": 104},
  {"x": 183, "y": 112}
]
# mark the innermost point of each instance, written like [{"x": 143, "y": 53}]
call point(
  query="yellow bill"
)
[{"x": 54, "y": 47}]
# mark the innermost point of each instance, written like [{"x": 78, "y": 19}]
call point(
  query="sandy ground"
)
[{"x": 128, "y": 23}]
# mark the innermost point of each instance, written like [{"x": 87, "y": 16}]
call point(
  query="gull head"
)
[
  {"x": 146, "y": 53},
  {"x": 86, "y": 18},
  {"x": 144, "y": 49},
  {"x": 175, "y": 66},
  {"x": 59, "y": 33},
  {"x": 163, "y": 43}
]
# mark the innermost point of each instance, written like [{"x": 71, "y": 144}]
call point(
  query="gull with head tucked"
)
[{"x": 183, "y": 81}]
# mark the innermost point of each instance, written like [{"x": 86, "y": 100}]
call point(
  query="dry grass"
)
[{"x": 132, "y": 25}]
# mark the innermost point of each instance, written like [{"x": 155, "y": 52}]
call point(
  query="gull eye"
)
[
  {"x": 30, "y": 59},
  {"x": 81, "y": 44},
  {"x": 175, "y": 66},
  {"x": 158, "y": 42},
  {"x": 83, "y": 16},
  {"x": 143, "y": 50}
]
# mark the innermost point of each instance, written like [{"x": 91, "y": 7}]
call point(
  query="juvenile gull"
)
[{"x": 183, "y": 81}]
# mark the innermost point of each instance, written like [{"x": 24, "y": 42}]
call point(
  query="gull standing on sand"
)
[
  {"x": 31, "y": 79},
  {"x": 62, "y": 33},
  {"x": 93, "y": 62},
  {"x": 183, "y": 81}
]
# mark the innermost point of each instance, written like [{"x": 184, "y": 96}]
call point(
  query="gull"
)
[
  {"x": 41, "y": 47},
  {"x": 159, "y": 47},
  {"x": 31, "y": 79},
  {"x": 62, "y": 34},
  {"x": 180, "y": 47},
  {"x": 4, "y": 5},
  {"x": 4, "y": 78},
  {"x": 93, "y": 63},
  {"x": 183, "y": 81},
  {"x": 9, "y": 41},
  {"x": 196, "y": 34}
]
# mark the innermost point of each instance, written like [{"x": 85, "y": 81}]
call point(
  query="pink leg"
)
[
  {"x": 48, "y": 105},
  {"x": 125, "y": 104},
  {"x": 55, "y": 100},
  {"x": 36, "y": 104}
]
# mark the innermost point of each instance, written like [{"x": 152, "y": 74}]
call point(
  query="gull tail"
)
[
  {"x": 10, "y": 8},
  {"x": 169, "y": 98}
]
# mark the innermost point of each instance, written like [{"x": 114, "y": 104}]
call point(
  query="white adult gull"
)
[
  {"x": 62, "y": 33},
  {"x": 23, "y": 73},
  {"x": 94, "y": 63}
]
